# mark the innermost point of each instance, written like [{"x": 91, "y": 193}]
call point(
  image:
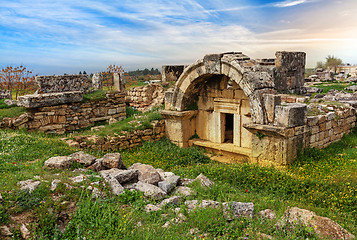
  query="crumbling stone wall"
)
[
  {"x": 289, "y": 72},
  {"x": 5, "y": 94},
  {"x": 171, "y": 73},
  {"x": 322, "y": 130},
  {"x": 63, "y": 83},
  {"x": 123, "y": 140},
  {"x": 145, "y": 97},
  {"x": 71, "y": 116}
]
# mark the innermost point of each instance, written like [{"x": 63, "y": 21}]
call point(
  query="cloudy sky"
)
[{"x": 68, "y": 36}]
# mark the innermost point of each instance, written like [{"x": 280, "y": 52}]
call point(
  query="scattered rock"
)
[
  {"x": 314, "y": 90},
  {"x": 117, "y": 188},
  {"x": 185, "y": 181},
  {"x": 194, "y": 231},
  {"x": 10, "y": 102},
  {"x": 264, "y": 236},
  {"x": 324, "y": 227},
  {"x": 147, "y": 173},
  {"x": 97, "y": 128},
  {"x": 139, "y": 224},
  {"x": 182, "y": 217},
  {"x": 1, "y": 199},
  {"x": 169, "y": 184},
  {"x": 205, "y": 182},
  {"x": 152, "y": 208},
  {"x": 112, "y": 120},
  {"x": 267, "y": 214},
  {"x": 238, "y": 209},
  {"x": 184, "y": 191},
  {"x": 164, "y": 175},
  {"x": 97, "y": 166},
  {"x": 96, "y": 193},
  {"x": 352, "y": 88},
  {"x": 84, "y": 158},
  {"x": 5, "y": 231},
  {"x": 25, "y": 233},
  {"x": 123, "y": 176},
  {"x": 61, "y": 162},
  {"x": 113, "y": 160},
  {"x": 72, "y": 143},
  {"x": 174, "y": 200},
  {"x": 54, "y": 184},
  {"x": 150, "y": 190},
  {"x": 29, "y": 185},
  {"x": 78, "y": 179},
  {"x": 192, "y": 204}
]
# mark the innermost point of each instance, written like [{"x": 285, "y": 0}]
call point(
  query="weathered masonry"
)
[{"x": 232, "y": 103}]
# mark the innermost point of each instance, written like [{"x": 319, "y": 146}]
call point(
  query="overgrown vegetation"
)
[
  {"x": 95, "y": 95},
  {"x": 323, "y": 181}
]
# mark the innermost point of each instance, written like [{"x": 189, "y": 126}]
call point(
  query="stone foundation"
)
[
  {"x": 122, "y": 140},
  {"x": 69, "y": 117},
  {"x": 146, "y": 97}
]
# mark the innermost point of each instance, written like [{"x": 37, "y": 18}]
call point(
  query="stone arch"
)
[{"x": 253, "y": 79}]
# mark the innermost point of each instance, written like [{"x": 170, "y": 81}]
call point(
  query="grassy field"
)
[{"x": 323, "y": 181}]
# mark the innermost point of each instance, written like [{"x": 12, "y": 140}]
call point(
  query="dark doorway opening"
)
[{"x": 228, "y": 134}]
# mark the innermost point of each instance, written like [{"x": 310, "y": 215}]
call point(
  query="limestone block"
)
[
  {"x": 49, "y": 99},
  {"x": 270, "y": 102},
  {"x": 290, "y": 115},
  {"x": 245, "y": 108},
  {"x": 246, "y": 136},
  {"x": 239, "y": 209},
  {"x": 61, "y": 162}
]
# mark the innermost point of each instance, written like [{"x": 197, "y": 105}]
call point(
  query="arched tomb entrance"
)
[{"x": 220, "y": 101}]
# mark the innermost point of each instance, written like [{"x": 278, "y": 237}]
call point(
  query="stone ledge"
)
[
  {"x": 268, "y": 130},
  {"x": 49, "y": 99},
  {"x": 167, "y": 114},
  {"x": 226, "y": 147}
]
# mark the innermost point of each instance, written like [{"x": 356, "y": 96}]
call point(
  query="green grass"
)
[
  {"x": 135, "y": 121},
  {"x": 337, "y": 86},
  {"x": 323, "y": 181},
  {"x": 12, "y": 112},
  {"x": 95, "y": 95}
]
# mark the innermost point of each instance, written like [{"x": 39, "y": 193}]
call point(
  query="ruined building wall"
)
[
  {"x": 68, "y": 117},
  {"x": 145, "y": 97},
  {"x": 322, "y": 130},
  {"x": 5, "y": 94},
  {"x": 171, "y": 73},
  {"x": 63, "y": 83}
]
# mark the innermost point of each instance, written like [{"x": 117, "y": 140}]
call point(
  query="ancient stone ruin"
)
[
  {"x": 5, "y": 94},
  {"x": 233, "y": 104}
]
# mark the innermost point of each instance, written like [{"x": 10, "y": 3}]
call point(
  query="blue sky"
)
[{"x": 56, "y": 37}]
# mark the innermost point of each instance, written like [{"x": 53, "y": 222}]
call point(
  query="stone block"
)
[
  {"x": 270, "y": 102},
  {"x": 64, "y": 83},
  {"x": 290, "y": 115},
  {"x": 49, "y": 99}
]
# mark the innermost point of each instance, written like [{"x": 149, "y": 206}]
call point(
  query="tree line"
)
[{"x": 144, "y": 72}]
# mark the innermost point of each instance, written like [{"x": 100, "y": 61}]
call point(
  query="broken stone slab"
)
[
  {"x": 267, "y": 214},
  {"x": 84, "y": 158},
  {"x": 113, "y": 160},
  {"x": 184, "y": 191},
  {"x": 72, "y": 143},
  {"x": 174, "y": 200},
  {"x": 25, "y": 233},
  {"x": 152, "y": 208},
  {"x": 29, "y": 185},
  {"x": 61, "y": 162},
  {"x": 324, "y": 227},
  {"x": 192, "y": 204},
  {"x": 78, "y": 179},
  {"x": 205, "y": 182},
  {"x": 123, "y": 176},
  {"x": 290, "y": 115},
  {"x": 147, "y": 173},
  {"x": 5, "y": 231},
  {"x": 169, "y": 184},
  {"x": 150, "y": 190},
  {"x": 116, "y": 187},
  {"x": 96, "y": 193},
  {"x": 238, "y": 209},
  {"x": 164, "y": 175},
  {"x": 97, "y": 165},
  {"x": 49, "y": 99},
  {"x": 54, "y": 184}
]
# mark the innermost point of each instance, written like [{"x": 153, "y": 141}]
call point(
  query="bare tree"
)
[{"x": 332, "y": 62}]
